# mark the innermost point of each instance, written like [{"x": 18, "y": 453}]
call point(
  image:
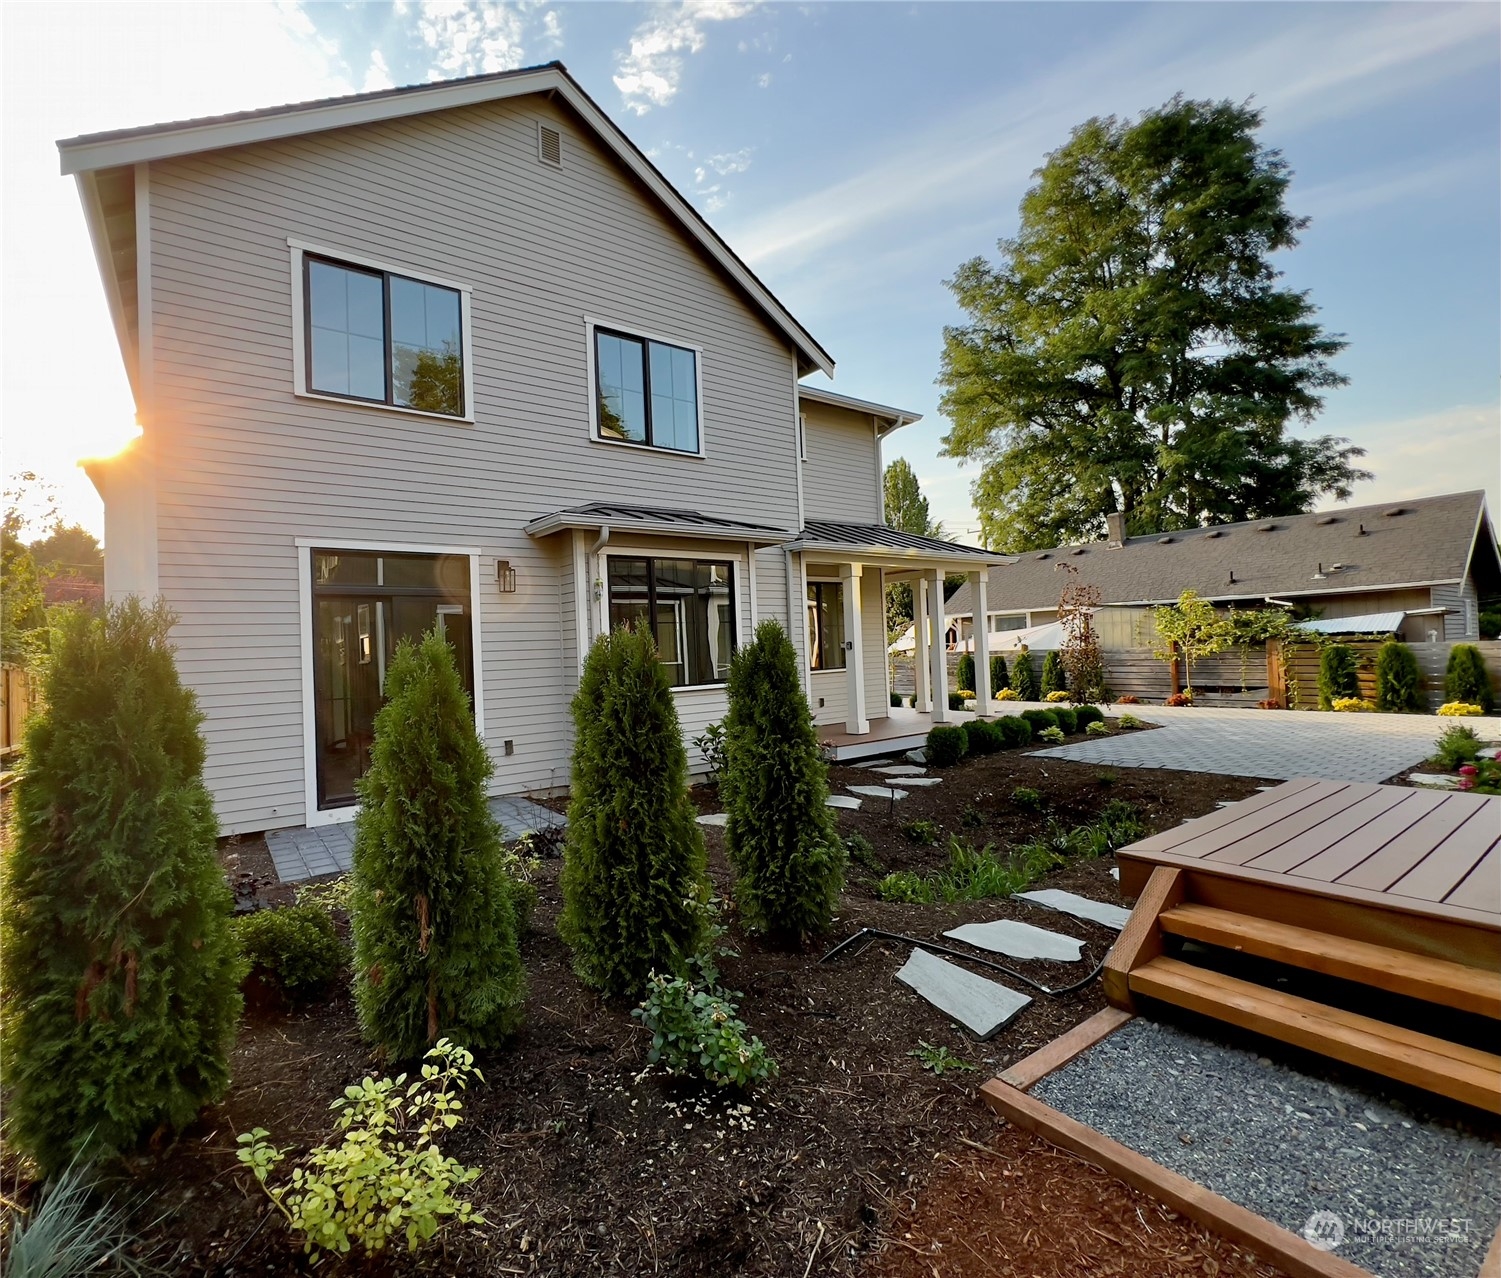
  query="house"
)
[
  {"x": 459, "y": 356},
  {"x": 1418, "y": 568}
]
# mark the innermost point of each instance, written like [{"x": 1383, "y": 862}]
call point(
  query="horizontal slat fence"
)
[
  {"x": 1301, "y": 667},
  {"x": 16, "y": 704}
]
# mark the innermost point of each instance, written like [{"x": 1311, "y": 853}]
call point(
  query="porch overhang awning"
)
[
  {"x": 1371, "y": 623},
  {"x": 892, "y": 548},
  {"x": 656, "y": 522}
]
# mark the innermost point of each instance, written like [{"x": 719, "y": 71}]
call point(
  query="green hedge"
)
[
  {"x": 1040, "y": 719},
  {"x": 982, "y": 737},
  {"x": 947, "y": 744},
  {"x": 1085, "y": 715},
  {"x": 1015, "y": 731},
  {"x": 1068, "y": 719}
]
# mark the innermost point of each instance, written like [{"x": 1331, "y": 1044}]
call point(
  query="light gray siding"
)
[
  {"x": 244, "y": 467},
  {"x": 842, "y": 473}
]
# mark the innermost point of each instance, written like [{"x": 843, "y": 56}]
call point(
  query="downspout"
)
[
  {"x": 600, "y": 543},
  {"x": 794, "y": 626}
]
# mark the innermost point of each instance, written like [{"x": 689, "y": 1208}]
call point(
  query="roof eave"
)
[
  {"x": 870, "y": 552},
  {"x": 890, "y": 418},
  {"x": 564, "y": 520}
]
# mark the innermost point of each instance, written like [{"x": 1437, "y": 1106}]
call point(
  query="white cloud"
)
[
  {"x": 378, "y": 76},
  {"x": 727, "y": 162},
  {"x": 470, "y": 37},
  {"x": 763, "y": 81},
  {"x": 552, "y": 30},
  {"x": 651, "y": 70},
  {"x": 1450, "y": 450}
]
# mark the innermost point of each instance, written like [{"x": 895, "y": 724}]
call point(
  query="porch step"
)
[
  {"x": 1450, "y": 1069},
  {"x": 1456, "y": 985}
]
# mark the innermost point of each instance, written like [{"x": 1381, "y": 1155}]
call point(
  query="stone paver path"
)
[
  {"x": 1281, "y": 744},
  {"x": 329, "y": 849},
  {"x": 982, "y": 1006}
]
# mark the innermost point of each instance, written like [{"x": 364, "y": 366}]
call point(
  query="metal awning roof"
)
[
  {"x": 877, "y": 542},
  {"x": 1371, "y": 623},
  {"x": 656, "y": 522}
]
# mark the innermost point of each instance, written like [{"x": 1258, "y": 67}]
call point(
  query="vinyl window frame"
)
[
  {"x": 737, "y": 568},
  {"x": 593, "y": 326},
  {"x": 300, "y": 252},
  {"x": 813, "y": 599}
]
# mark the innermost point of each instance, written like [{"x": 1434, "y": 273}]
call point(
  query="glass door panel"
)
[{"x": 348, "y": 666}]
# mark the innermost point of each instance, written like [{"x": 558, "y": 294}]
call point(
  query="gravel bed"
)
[{"x": 1416, "y": 1195}]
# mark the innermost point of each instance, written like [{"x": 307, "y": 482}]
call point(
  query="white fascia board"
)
[
  {"x": 893, "y": 416},
  {"x": 549, "y": 524},
  {"x": 873, "y": 554},
  {"x": 93, "y": 216}
]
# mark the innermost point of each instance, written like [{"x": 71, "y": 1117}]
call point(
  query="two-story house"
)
[{"x": 459, "y": 356}]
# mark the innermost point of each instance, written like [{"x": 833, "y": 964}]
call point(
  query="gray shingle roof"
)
[{"x": 1373, "y": 547}]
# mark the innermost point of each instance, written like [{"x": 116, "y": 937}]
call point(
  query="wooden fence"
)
[
  {"x": 1294, "y": 674},
  {"x": 17, "y": 700}
]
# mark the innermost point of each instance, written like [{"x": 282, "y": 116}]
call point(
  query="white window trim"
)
[
  {"x": 591, "y": 324},
  {"x": 814, "y": 578},
  {"x": 644, "y": 550},
  {"x": 312, "y": 814},
  {"x": 297, "y": 250}
]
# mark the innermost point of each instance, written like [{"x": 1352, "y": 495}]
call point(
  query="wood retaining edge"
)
[{"x": 1055, "y": 1055}]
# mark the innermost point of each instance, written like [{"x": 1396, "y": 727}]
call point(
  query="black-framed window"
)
[
  {"x": 826, "y": 649},
  {"x": 689, "y": 606},
  {"x": 646, "y": 391},
  {"x": 384, "y": 338}
]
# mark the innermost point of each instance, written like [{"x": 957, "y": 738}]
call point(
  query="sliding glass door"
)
[{"x": 364, "y": 603}]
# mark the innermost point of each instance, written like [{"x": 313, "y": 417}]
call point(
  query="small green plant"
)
[
  {"x": 1026, "y": 797},
  {"x": 1053, "y": 736},
  {"x": 73, "y": 1229},
  {"x": 695, "y": 1030},
  {"x": 710, "y": 746},
  {"x": 1129, "y": 722},
  {"x": 982, "y": 737},
  {"x": 860, "y": 852},
  {"x": 923, "y": 833},
  {"x": 1456, "y": 745},
  {"x": 1398, "y": 679},
  {"x": 971, "y": 818},
  {"x": 387, "y": 1177},
  {"x": 1105, "y": 779},
  {"x": 897, "y": 701},
  {"x": 1338, "y": 677},
  {"x": 905, "y": 888},
  {"x": 938, "y": 1059},
  {"x": 294, "y": 949},
  {"x": 1097, "y": 729},
  {"x": 947, "y": 744},
  {"x": 1465, "y": 678},
  {"x": 957, "y": 699}
]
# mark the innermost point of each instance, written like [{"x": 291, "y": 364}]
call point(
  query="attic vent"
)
[
  {"x": 1213, "y": 532},
  {"x": 1166, "y": 541},
  {"x": 1045, "y": 555},
  {"x": 549, "y": 145},
  {"x": 1325, "y": 520},
  {"x": 1395, "y": 511},
  {"x": 1079, "y": 550},
  {"x": 1266, "y": 527}
]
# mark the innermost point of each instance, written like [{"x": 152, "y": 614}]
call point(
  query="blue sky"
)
[{"x": 854, "y": 154}]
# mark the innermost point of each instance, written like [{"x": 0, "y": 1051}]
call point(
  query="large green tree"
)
[
  {"x": 907, "y": 511},
  {"x": 1132, "y": 349}
]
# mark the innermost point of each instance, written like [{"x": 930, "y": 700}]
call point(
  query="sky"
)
[{"x": 854, "y": 154}]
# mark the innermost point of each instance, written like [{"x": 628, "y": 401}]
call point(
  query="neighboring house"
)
[
  {"x": 1418, "y": 568},
  {"x": 458, "y": 356}
]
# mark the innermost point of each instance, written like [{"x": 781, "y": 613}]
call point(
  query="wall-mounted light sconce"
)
[{"x": 505, "y": 576}]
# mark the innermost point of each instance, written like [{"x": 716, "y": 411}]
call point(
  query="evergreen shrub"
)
[
  {"x": 1040, "y": 719},
  {"x": 1397, "y": 679},
  {"x": 432, "y": 907},
  {"x": 1085, "y": 715},
  {"x": 981, "y": 737},
  {"x": 1465, "y": 678},
  {"x": 947, "y": 744},
  {"x": 999, "y": 678},
  {"x": 1053, "y": 677},
  {"x": 1067, "y": 719},
  {"x": 633, "y": 880},
  {"x": 780, "y": 834},
  {"x": 964, "y": 676},
  {"x": 1338, "y": 664},
  {"x": 121, "y": 979},
  {"x": 1015, "y": 731},
  {"x": 896, "y": 700},
  {"x": 295, "y": 949},
  {"x": 1024, "y": 677}
]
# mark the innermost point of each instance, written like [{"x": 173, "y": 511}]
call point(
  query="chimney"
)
[{"x": 1115, "y": 528}]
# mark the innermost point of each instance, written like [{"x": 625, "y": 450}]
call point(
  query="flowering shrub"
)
[
  {"x": 1129, "y": 700},
  {"x": 1097, "y": 729},
  {"x": 1180, "y": 699},
  {"x": 1483, "y": 776},
  {"x": 1355, "y": 705},
  {"x": 1007, "y": 694},
  {"x": 1271, "y": 703},
  {"x": 1459, "y": 709},
  {"x": 1056, "y": 696},
  {"x": 967, "y": 693}
]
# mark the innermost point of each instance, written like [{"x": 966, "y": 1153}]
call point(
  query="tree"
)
[
  {"x": 1082, "y": 657},
  {"x": 1339, "y": 674},
  {"x": 999, "y": 678},
  {"x": 633, "y": 880},
  {"x": 121, "y": 978},
  {"x": 779, "y": 832},
  {"x": 1024, "y": 676},
  {"x": 1053, "y": 677},
  {"x": 433, "y": 907},
  {"x": 23, "y": 611},
  {"x": 907, "y": 511},
  {"x": 1190, "y": 629},
  {"x": 1398, "y": 679},
  {"x": 964, "y": 674},
  {"x": 69, "y": 549},
  {"x": 1132, "y": 349},
  {"x": 1465, "y": 677}
]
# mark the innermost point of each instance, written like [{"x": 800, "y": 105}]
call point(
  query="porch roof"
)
[
  {"x": 657, "y": 522},
  {"x": 876, "y": 543}
]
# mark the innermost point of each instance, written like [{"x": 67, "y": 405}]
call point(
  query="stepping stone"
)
[
  {"x": 916, "y": 756},
  {"x": 1019, "y": 940},
  {"x": 714, "y": 818},
  {"x": 842, "y": 801},
  {"x": 901, "y": 770},
  {"x": 981, "y": 1006},
  {"x": 870, "y": 763},
  {"x": 1116, "y": 875},
  {"x": 1430, "y": 781},
  {"x": 922, "y": 782},
  {"x": 877, "y": 791},
  {"x": 1081, "y": 907},
  {"x": 1494, "y": 752}
]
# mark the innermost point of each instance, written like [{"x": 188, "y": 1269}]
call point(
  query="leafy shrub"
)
[
  {"x": 923, "y": 833},
  {"x": 1398, "y": 679},
  {"x": 999, "y": 678},
  {"x": 957, "y": 699},
  {"x": 897, "y": 700},
  {"x": 1460, "y": 709},
  {"x": 982, "y": 737},
  {"x": 979, "y": 874},
  {"x": 1465, "y": 678},
  {"x": 1068, "y": 720},
  {"x": 947, "y": 744},
  {"x": 1015, "y": 731},
  {"x": 1040, "y": 719},
  {"x": 1097, "y": 729},
  {"x": 1026, "y": 797},
  {"x": 295, "y": 949},
  {"x": 1024, "y": 677},
  {"x": 1338, "y": 667},
  {"x": 1490, "y": 623},
  {"x": 387, "y": 1177},
  {"x": 695, "y": 1030},
  {"x": 860, "y": 851},
  {"x": 710, "y": 745},
  {"x": 1129, "y": 722},
  {"x": 1053, "y": 736},
  {"x": 1055, "y": 697},
  {"x": 120, "y": 976},
  {"x": 433, "y": 911},
  {"x": 964, "y": 674},
  {"x": 1007, "y": 694},
  {"x": 1481, "y": 777},
  {"x": 1053, "y": 677},
  {"x": 1085, "y": 715},
  {"x": 633, "y": 868},
  {"x": 905, "y": 888},
  {"x": 780, "y": 834},
  {"x": 1355, "y": 705},
  {"x": 1185, "y": 698},
  {"x": 1130, "y": 700},
  {"x": 1456, "y": 745}
]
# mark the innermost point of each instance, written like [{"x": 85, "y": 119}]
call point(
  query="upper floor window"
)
[
  {"x": 646, "y": 392},
  {"x": 382, "y": 337}
]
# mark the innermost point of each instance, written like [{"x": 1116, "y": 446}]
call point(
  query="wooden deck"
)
[{"x": 900, "y": 729}]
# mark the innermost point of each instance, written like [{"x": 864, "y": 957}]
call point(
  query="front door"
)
[{"x": 365, "y": 603}]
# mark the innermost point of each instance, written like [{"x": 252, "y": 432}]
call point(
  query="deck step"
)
[
  {"x": 1450, "y": 1069},
  {"x": 1456, "y": 985}
]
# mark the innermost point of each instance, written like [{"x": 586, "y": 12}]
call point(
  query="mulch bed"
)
[{"x": 592, "y": 1167}]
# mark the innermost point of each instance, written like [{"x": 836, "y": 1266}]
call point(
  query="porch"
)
[{"x": 901, "y": 729}]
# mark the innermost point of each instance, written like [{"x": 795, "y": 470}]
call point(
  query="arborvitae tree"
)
[
  {"x": 964, "y": 675},
  {"x": 780, "y": 834},
  {"x": 633, "y": 878},
  {"x": 433, "y": 908},
  {"x": 1465, "y": 677},
  {"x": 1338, "y": 664},
  {"x": 1397, "y": 679},
  {"x": 121, "y": 978},
  {"x": 998, "y": 677},
  {"x": 1024, "y": 677},
  {"x": 1053, "y": 677}
]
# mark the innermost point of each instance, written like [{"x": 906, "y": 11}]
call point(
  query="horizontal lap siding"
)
[
  {"x": 840, "y": 475},
  {"x": 246, "y": 467}
]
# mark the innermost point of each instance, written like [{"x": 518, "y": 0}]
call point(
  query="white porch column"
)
[
  {"x": 980, "y": 627},
  {"x": 921, "y": 700},
  {"x": 938, "y": 670},
  {"x": 856, "y": 721}
]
